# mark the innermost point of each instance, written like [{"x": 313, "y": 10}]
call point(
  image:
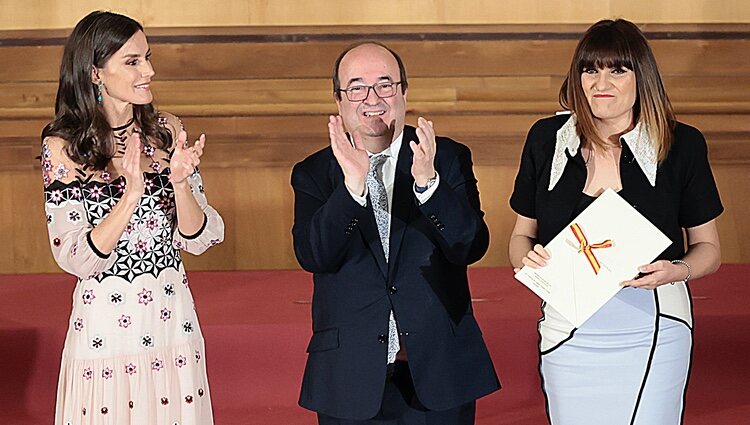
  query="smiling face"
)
[
  {"x": 127, "y": 74},
  {"x": 611, "y": 93},
  {"x": 372, "y": 118}
]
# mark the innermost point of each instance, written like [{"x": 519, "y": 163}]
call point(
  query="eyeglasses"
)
[{"x": 382, "y": 90}]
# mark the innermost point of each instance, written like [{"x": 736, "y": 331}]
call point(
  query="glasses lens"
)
[
  {"x": 357, "y": 93},
  {"x": 385, "y": 89}
]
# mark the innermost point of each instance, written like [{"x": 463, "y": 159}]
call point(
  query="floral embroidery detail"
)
[
  {"x": 147, "y": 341},
  {"x": 152, "y": 223},
  {"x": 107, "y": 373},
  {"x": 144, "y": 297},
  {"x": 56, "y": 242},
  {"x": 214, "y": 242},
  {"x": 74, "y": 216},
  {"x": 97, "y": 192},
  {"x": 156, "y": 167},
  {"x": 129, "y": 228},
  {"x": 130, "y": 404},
  {"x": 75, "y": 192},
  {"x": 56, "y": 196},
  {"x": 78, "y": 324},
  {"x": 88, "y": 296},
  {"x": 74, "y": 249},
  {"x": 168, "y": 289},
  {"x": 105, "y": 410},
  {"x": 116, "y": 298},
  {"x": 49, "y": 218},
  {"x": 177, "y": 244},
  {"x": 157, "y": 365},
  {"x": 88, "y": 374},
  {"x": 149, "y": 185},
  {"x": 188, "y": 399},
  {"x": 130, "y": 369},
  {"x": 61, "y": 171},
  {"x": 97, "y": 343},
  {"x": 187, "y": 327},
  {"x": 200, "y": 392},
  {"x": 197, "y": 356},
  {"x": 149, "y": 150},
  {"x": 184, "y": 280},
  {"x": 164, "y": 401},
  {"x": 106, "y": 176},
  {"x": 124, "y": 321},
  {"x": 165, "y": 314},
  {"x": 83, "y": 411},
  {"x": 180, "y": 361},
  {"x": 121, "y": 186},
  {"x": 162, "y": 121},
  {"x": 141, "y": 246}
]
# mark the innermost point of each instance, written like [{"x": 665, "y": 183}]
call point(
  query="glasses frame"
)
[{"x": 372, "y": 87}]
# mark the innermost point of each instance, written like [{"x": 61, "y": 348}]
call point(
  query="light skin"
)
[
  {"x": 611, "y": 94},
  {"x": 375, "y": 122},
  {"x": 126, "y": 78}
]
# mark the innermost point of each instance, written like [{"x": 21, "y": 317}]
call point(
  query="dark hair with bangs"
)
[
  {"x": 619, "y": 44},
  {"x": 337, "y": 65},
  {"x": 79, "y": 119}
]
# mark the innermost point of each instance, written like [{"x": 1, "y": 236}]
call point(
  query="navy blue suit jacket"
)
[{"x": 424, "y": 282}]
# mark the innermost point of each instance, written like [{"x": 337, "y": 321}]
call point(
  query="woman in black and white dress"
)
[{"x": 629, "y": 363}]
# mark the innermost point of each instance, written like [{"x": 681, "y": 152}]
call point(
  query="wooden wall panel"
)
[
  {"x": 263, "y": 102},
  {"x": 33, "y": 14}
]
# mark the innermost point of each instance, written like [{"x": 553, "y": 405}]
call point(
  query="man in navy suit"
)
[{"x": 388, "y": 218}]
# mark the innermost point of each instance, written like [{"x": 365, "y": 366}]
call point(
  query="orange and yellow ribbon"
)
[{"x": 587, "y": 248}]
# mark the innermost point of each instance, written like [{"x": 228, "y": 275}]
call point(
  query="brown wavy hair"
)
[
  {"x": 615, "y": 44},
  {"x": 79, "y": 119}
]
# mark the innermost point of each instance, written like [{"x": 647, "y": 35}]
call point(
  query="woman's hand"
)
[
  {"x": 184, "y": 158},
  {"x": 131, "y": 168},
  {"x": 658, "y": 273},
  {"x": 535, "y": 258}
]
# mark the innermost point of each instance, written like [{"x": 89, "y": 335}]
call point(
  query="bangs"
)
[{"x": 605, "y": 48}]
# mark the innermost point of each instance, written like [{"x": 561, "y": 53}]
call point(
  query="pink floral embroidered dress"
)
[{"x": 134, "y": 353}]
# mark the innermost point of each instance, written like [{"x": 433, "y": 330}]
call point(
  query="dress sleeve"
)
[
  {"x": 67, "y": 221},
  {"x": 522, "y": 200},
  {"x": 212, "y": 231},
  {"x": 700, "y": 202}
]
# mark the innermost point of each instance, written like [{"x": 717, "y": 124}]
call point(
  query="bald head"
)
[{"x": 354, "y": 52}]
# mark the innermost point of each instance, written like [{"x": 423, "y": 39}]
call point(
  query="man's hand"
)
[
  {"x": 354, "y": 161},
  {"x": 423, "y": 167}
]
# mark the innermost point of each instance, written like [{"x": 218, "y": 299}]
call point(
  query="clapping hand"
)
[
  {"x": 185, "y": 158},
  {"x": 353, "y": 160},
  {"x": 131, "y": 168},
  {"x": 423, "y": 167}
]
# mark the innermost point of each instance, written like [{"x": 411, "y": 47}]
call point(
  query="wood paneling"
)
[
  {"x": 24, "y": 14},
  {"x": 264, "y": 101}
]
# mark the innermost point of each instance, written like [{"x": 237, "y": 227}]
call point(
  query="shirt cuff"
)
[
  {"x": 427, "y": 194},
  {"x": 361, "y": 200}
]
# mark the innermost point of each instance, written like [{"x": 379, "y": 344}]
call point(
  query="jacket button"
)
[
  {"x": 433, "y": 217},
  {"x": 392, "y": 290},
  {"x": 381, "y": 339}
]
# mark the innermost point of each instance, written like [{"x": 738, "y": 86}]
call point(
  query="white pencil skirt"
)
[{"x": 627, "y": 365}]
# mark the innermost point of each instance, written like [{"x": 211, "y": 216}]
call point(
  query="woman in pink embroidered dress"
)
[{"x": 123, "y": 195}]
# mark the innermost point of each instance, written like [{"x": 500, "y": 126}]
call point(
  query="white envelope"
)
[{"x": 571, "y": 282}]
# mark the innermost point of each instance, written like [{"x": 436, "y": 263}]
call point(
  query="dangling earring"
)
[{"x": 99, "y": 92}]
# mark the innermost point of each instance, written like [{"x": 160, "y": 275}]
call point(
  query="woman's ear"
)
[{"x": 95, "y": 75}]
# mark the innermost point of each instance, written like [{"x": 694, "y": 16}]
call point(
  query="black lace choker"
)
[{"x": 124, "y": 126}]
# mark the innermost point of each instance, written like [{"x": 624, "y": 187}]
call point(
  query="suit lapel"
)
[{"x": 403, "y": 197}]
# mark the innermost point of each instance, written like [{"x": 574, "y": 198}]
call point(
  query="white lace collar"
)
[{"x": 637, "y": 139}]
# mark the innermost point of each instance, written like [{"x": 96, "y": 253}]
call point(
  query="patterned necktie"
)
[{"x": 379, "y": 199}]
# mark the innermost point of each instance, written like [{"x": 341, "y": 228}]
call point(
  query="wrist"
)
[
  {"x": 423, "y": 180},
  {"x": 684, "y": 270}
]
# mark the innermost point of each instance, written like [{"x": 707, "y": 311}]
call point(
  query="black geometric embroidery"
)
[{"x": 146, "y": 247}]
